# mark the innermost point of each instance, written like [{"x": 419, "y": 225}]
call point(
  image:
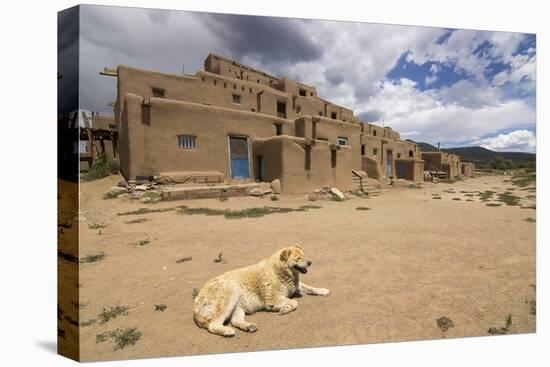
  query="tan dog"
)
[{"x": 267, "y": 285}]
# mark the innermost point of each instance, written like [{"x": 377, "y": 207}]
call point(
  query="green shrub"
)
[{"x": 102, "y": 167}]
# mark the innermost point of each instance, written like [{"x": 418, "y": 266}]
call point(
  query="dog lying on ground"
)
[{"x": 267, "y": 285}]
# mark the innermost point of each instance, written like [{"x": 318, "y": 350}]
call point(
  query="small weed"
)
[
  {"x": 96, "y": 226},
  {"x": 362, "y": 208},
  {"x": 436, "y": 197},
  {"x": 457, "y": 199},
  {"x": 92, "y": 258},
  {"x": 112, "y": 313},
  {"x": 135, "y": 221},
  {"x": 141, "y": 243},
  {"x": 529, "y": 207},
  {"x": 88, "y": 323},
  {"x": 508, "y": 199},
  {"x": 530, "y": 220},
  {"x": 219, "y": 258},
  {"x": 502, "y": 330},
  {"x": 122, "y": 338},
  {"x": 184, "y": 259},
  {"x": 469, "y": 195},
  {"x": 194, "y": 293},
  {"x": 523, "y": 181},
  {"x": 445, "y": 323},
  {"x": 161, "y": 307},
  {"x": 469, "y": 199},
  {"x": 493, "y": 204},
  {"x": 274, "y": 198},
  {"x": 223, "y": 196}
]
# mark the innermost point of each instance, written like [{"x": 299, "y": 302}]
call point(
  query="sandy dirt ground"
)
[{"x": 392, "y": 270}]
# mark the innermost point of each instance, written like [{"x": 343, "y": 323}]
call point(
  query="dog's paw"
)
[
  {"x": 323, "y": 292},
  {"x": 285, "y": 309},
  {"x": 229, "y": 333},
  {"x": 252, "y": 328}
]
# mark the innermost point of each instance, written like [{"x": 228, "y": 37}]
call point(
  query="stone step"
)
[{"x": 213, "y": 191}]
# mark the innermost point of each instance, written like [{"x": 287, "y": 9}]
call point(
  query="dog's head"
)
[{"x": 294, "y": 258}]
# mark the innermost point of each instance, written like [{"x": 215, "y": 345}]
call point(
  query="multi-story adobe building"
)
[{"x": 232, "y": 123}]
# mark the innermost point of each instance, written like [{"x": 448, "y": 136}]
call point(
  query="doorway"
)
[
  {"x": 389, "y": 163},
  {"x": 238, "y": 157}
]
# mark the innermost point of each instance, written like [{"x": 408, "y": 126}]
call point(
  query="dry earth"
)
[{"x": 393, "y": 270}]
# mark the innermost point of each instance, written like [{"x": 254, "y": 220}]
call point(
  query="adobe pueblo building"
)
[{"x": 230, "y": 124}]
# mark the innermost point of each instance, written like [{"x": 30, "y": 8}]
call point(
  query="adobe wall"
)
[
  {"x": 152, "y": 148},
  {"x": 409, "y": 169},
  {"x": 302, "y": 171},
  {"x": 432, "y": 161},
  {"x": 329, "y": 130},
  {"x": 468, "y": 169}
]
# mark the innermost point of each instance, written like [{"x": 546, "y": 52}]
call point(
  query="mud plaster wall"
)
[
  {"x": 409, "y": 169},
  {"x": 301, "y": 171},
  {"x": 154, "y": 148}
]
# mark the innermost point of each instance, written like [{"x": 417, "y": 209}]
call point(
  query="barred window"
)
[{"x": 187, "y": 141}]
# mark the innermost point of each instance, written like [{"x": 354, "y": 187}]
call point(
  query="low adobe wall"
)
[
  {"x": 410, "y": 169},
  {"x": 303, "y": 165}
]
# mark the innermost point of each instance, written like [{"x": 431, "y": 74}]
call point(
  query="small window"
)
[
  {"x": 374, "y": 132},
  {"x": 278, "y": 129},
  {"x": 298, "y": 109},
  {"x": 225, "y": 85},
  {"x": 342, "y": 141},
  {"x": 187, "y": 141},
  {"x": 375, "y": 151},
  {"x": 157, "y": 92},
  {"x": 333, "y": 115},
  {"x": 242, "y": 88},
  {"x": 398, "y": 155},
  {"x": 410, "y": 153},
  {"x": 253, "y": 109},
  {"x": 281, "y": 109},
  {"x": 303, "y": 92},
  {"x": 363, "y": 149},
  {"x": 236, "y": 99},
  {"x": 250, "y": 90},
  {"x": 215, "y": 82},
  {"x": 320, "y": 113},
  {"x": 234, "y": 86},
  {"x": 202, "y": 79}
]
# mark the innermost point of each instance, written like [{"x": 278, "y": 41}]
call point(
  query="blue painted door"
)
[{"x": 238, "y": 156}]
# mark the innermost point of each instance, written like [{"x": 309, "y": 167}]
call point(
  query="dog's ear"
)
[
  {"x": 298, "y": 246},
  {"x": 285, "y": 254}
]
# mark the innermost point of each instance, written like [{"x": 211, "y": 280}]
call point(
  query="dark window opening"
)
[
  {"x": 298, "y": 109},
  {"x": 250, "y": 90},
  {"x": 342, "y": 141},
  {"x": 236, "y": 99},
  {"x": 158, "y": 92},
  {"x": 374, "y": 132},
  {"x": 253, "y": 109},
  {"x": 303, "y": 92},
  {"x": 363, "y": 149},
  {"x": 333, "y": 115},
  {"x": 281, "y": 109},
  {"x": 242, "y": 88},
  {"x": 225, "y": 85},
  {"x": 375, "y": 151},
  {"x": 398, "y": 155},
  {"x": 278, "y": 129},
  {"x": 320, "y": 113},
  {"x": 410, "y": 153},
  {"x": 146, "y": 114},
  {"x": 307, "y": 163},
  {"x": 314, "y": 130},
  {"x": 333, "y": 158},
  {"x": 215, "y": 82},
  {"x": 234, "y": 86}
]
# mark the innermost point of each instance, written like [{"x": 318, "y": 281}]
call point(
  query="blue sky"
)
[{"x": 453, "y": 86}]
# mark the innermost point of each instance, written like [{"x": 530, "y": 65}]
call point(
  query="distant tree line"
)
[{"x": 508, "y": 164}]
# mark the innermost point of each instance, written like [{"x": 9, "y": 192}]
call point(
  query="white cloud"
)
[{"x": 518, "y": 140}]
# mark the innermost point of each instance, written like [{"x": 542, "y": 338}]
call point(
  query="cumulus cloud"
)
[{"x": 518, "y": 140}]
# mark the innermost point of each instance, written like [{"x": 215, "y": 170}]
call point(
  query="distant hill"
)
[{"x": 481, "y": 156}]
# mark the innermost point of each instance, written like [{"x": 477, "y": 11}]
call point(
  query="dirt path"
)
[{"x": 392, "y": 270}]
